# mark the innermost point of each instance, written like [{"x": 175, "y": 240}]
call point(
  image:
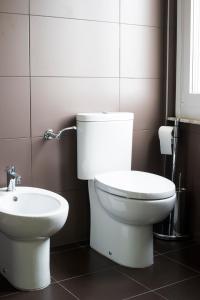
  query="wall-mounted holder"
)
[{"x": 50, "y": 134}]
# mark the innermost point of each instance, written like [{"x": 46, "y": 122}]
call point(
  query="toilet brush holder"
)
[{"x": 175, "y": 226}]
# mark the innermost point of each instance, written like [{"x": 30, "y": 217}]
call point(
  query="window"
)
[
  {"x": 195, "y": 47},
  {"x": 188, "y": 60}
]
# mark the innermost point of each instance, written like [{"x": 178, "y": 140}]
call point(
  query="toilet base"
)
[
  {"x": 25, "y": 264},
  {"x": 127, "y": 245}
]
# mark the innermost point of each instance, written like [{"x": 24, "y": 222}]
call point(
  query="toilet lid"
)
[{"x": 135, "y": 185}]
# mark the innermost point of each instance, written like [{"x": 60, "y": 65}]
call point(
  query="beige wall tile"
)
[
  {"x": 56, "y": 101},
  {"x": 142, "y": 12},
  {"x": 143, "y": 98},
  {"x": 14, "y": 107},
  {"x": 14, "y": 41},
  {"x": 61, "y": 47},
  {"x": 140, "y": 51},
  {"x": 54, "y": 163},
  {"x": 104, "y": 10},
  {"x": 14, "y": 6},
  {"x": 146, "y": 152},
  {"x": 15, "y": 152}
]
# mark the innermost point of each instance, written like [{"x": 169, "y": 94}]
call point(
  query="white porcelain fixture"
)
[
  {"x": 124, "y": 204},
  {"x": 28, "y": 217}
]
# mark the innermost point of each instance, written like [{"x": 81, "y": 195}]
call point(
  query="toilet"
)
[{"x": 124, "y": 204}]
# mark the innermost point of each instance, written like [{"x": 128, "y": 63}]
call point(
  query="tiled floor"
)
[{"x": 81, "y": 273}]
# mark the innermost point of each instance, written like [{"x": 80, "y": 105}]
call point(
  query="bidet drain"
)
[{"x": 15, "y": 198}]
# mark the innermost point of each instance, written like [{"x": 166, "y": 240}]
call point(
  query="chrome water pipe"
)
[{"x": 50, "y": 134}]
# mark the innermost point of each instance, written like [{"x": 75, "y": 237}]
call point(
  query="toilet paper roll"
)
[{"x": 165, "y": 136}]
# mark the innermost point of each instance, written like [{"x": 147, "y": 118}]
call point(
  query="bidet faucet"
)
[{"x": 12, "y": 178}]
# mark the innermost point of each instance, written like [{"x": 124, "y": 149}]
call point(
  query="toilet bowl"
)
[
  {"x": 124, "y": 204},
  {"x": 28, "y": 217},
  {"x": 134, "y": 200}
]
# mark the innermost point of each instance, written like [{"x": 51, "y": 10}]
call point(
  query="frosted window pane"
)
[{"x": 195, "y": 48}]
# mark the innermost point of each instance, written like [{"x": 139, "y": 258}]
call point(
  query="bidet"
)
[{"x": 28, "y": 217}]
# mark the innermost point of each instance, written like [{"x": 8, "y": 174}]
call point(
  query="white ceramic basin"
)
[{"x": 31, "y": 213}]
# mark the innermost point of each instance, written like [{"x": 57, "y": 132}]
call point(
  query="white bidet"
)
[{"x": 28, "y": 217}]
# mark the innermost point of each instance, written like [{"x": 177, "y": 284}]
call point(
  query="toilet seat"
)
[{"x": 135, "y": 185}]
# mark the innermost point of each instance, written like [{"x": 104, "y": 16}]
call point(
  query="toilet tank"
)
[{"x": 104, "y": 143}]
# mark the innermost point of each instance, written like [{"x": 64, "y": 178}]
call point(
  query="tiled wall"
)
[{"x": 58, "y": 58}]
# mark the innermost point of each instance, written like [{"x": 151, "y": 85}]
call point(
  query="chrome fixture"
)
[
  {"x": 50, "y": 134},
  {"x": 175, "y": 147},
  {"x": 12, "y": 178}
]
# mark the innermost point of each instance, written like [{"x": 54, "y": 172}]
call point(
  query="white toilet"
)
[
  {"x": 124, "y": 204},
  {"x": 28, "y": 217}
]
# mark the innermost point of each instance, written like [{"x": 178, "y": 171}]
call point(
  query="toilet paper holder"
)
[{"x": 174, "y": 226}]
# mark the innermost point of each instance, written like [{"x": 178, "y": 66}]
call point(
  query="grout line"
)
[
  {"x": 14, "y": 13},
  {"x": 70, "y": 249},
  {"x": 145, "y": 293},
  {"x": 16, "y": 138},
  {"x": 175, "y": 283},
  {"x": 85, "y": 274},
  {"x": 31, "y": 149},
  {"x": 152, "y": 290},
  {"x": 81, "y": 77},
  {"x": 160, "y": 295},
  {"x": 68, "y": 291},
  {"x": 133, "y": 279},
  {"x": 176, "y": 250},
  {"x": 182, "y": 264},
  {"x": 132, "y": 297},
  {"x": 80, "y": 19},
  {"x": 61, "y": 17},
  {"x": 74, "y": 77},
  {"x": 135, "y": 130},
  {"x": 165, "y": 286},
  {"x": 14, "y": 76},
  {"x": 156, "y": 254},
  {"x": 74, "y": 19},
  {"x": 10, "y": 294},
  {"x": 141, "y": 25},
  {"x": 52, "y": 280}
]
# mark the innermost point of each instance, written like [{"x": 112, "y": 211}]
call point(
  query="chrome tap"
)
[{"x": 12, "y": 178}]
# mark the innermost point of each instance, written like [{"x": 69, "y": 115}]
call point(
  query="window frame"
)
[{"x": 187, "y": 105}]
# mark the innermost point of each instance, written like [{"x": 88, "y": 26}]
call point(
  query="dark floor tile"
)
[
  {"x": 161, "y": 273},
  {"x": 188, "y": 256},
  {"x": 77, "y": 262},
  {"x": 52, "y": 280},
  {"x": 163, "y": 246},
  {"x": 5, "y": 287},
  {"x": 50, "y": 293},
  {"x": 103, "y": 285},
  {"x": 186, "y": 290},
  {"x": 68, "y": 247},
  {"x": 155, "y": 252},
  {"x": 149, "y": 296}
]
